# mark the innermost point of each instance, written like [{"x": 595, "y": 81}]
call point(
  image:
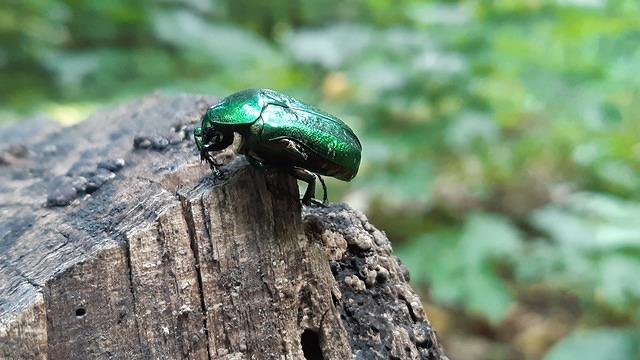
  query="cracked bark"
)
[{"x": 115, "y": 242}]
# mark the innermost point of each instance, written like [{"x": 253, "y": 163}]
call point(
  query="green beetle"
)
[{"x": 282, "y": 132}]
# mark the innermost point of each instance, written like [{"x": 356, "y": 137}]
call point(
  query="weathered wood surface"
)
[{"x": 115, "y": 242}]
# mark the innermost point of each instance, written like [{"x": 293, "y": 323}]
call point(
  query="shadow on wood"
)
[{"x": 115, "y": 242}]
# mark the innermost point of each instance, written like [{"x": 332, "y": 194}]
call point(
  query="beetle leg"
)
[
  {"x": 197, "y": 136},
  {"x": 324, "y": 190},
  {"x": 310, "y": 179},
  {"x": 294, "y": 148},
  {"x": 206, "y": 156},
  {"x": 255, "y": 162},
  {"x": 213, "y": 166}
]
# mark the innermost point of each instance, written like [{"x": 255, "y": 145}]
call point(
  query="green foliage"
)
[
  {"x": 501, "y": 138},
  {"x": 596, "y": 242},
  {"x": 463, "y": 267},
  {"x": 596, "y": 345}
]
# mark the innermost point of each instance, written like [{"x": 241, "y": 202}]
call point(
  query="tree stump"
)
[{"x": 117, "y": 243}]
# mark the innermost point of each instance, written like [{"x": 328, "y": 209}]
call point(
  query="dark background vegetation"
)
[{"x": 501, "y": 138}]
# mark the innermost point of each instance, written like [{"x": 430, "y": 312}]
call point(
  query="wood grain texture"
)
[{"x": 115, "y": 242}]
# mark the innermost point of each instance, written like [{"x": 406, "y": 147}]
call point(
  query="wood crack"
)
[
  {"x": 132, "y": 290},
  {"x": 187, "y": 214}
]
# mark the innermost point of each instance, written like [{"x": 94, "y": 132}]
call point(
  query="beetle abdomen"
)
[{"x": 332, "y": 147}]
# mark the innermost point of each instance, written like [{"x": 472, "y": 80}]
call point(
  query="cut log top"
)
[{"x": 115, "y": 242}]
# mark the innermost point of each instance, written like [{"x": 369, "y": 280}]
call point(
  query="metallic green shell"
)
[
  {"x": 337, "y": 148},
  {"x": 241, "y": 108},
  {"x": 333, "y": 148}
]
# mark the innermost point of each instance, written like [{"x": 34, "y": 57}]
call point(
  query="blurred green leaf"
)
[
  {"x": 330, "y": 47},
  {"x": 586, "y": 222},
  {"x": 593, "y": 249},
  {"x": 487, "y": 294},
  {"x": 597, "y": 344},
  {"x": 471, "y": 128},
  {"x": 226, "y": 44},
  {"x": 462, "y": 267},
  {"x": 619, "y": 282},
  {"x": 72, "y": 68},
  {"x": 488, "y": 237},
  {"x": 441, "y": 14}
]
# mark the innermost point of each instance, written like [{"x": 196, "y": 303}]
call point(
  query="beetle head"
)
[
  {"x": 216, "y": 139},
  {"x": 212, "y": 139}
]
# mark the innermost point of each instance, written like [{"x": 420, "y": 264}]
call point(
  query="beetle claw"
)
[
  {"x": 213, "y": 165},
  {"x": 315, "y": 202},
  {"x": 217, "y": 174}
]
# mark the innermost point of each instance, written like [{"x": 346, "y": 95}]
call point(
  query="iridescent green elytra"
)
[{"x": 280, "y": 131}]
